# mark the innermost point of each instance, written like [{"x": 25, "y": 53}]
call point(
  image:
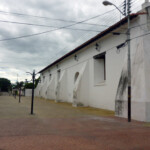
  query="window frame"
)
[{"x": 100, "y": 56}]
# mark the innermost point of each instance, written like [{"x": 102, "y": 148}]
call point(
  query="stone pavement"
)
[{"x": 58, "y": 126}]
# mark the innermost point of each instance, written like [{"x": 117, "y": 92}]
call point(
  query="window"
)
[{"x": 99, "y": 68}]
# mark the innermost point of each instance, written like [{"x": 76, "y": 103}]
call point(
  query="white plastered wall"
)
[
  {"x": 101, "y": 95},
  {"x": 140, "y": 70},
  {"x": 28, "y": 92},
  {"x": 104, "y": 94},
  {"x": 51, "y": 94}
]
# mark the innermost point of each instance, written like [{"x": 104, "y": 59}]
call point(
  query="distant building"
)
[
  {"x": 28, "y": 92},
  {"x": 95, "y": 73}
]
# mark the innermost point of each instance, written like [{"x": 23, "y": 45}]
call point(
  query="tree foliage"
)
[
  {"x": 18, "y": 85},
  {"x": 28, "y": 85},
  {"x": 5, "y": 85}
]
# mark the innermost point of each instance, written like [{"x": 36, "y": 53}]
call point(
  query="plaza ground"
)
[{"x": 59, "y": 126}]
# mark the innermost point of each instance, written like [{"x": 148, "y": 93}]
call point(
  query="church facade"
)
[{"x": 95, "y": 73}]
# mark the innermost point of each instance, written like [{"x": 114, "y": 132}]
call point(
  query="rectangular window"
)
[{"x": 99, "y": 68}]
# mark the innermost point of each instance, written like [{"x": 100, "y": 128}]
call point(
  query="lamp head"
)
[{"x": 106, "y": 3}]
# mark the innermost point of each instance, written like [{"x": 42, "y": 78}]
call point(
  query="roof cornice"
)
[{"x": 95, "y": 38}]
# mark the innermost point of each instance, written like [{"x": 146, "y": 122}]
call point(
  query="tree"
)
[
  {"x": 28, "y": 85},
  {"x": 19, "y": 86},
  {"x": 5, "y": 85}
]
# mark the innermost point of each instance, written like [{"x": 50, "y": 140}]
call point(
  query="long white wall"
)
[
  {"x": 140, "y": 80},
  {"x": 87, "y": 90},
  {"x": 89, "y": 93}
]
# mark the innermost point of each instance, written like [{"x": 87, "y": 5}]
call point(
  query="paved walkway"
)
[{"x": 58, "y": 126}]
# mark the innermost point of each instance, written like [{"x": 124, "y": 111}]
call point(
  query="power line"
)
[
  {"x": 89, "y": 58},
  {"x": 41, "y": 17},
  {"x": 40, "y": 25},
  {"x": 140, "y": 25},
  {"x": 25, "y": 36},
  {"x": 27, "y": 15},
  {"x": 140, "y": 36},
  {"x": 86, "y": 35},
  {"x": 30, "y": 35},
  {"x": 104, "y": 51},
  {"x": 107, "y": 49}
]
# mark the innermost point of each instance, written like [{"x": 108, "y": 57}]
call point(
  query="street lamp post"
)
[
  {"x": 106, "y": 3},
  {"x": 33, "y": 80},
  {"x": 129, "y": 65}
]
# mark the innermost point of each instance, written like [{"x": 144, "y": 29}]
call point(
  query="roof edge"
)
[{"x": 98, "y": 36}]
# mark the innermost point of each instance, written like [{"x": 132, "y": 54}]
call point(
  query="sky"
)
[{"x": 34, "y": 33}]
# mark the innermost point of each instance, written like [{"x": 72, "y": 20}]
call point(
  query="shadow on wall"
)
[
  {"x": 61, "y": 87},
  {"x": 57, "y": 87},
  {"x": 80, "y": 90},
  {"x": 122, "y": 88},
  {"x": 51, "y": 89}
]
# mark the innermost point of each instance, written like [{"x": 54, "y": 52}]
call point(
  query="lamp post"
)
[
  {"x": 33, "y": 80},
  {"x": 106, "y": 3}
]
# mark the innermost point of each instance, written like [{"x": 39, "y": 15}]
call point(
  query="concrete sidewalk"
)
[{"x": 58, "y": 126}]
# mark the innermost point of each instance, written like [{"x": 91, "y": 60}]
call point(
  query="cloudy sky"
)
[{"x": 34, "y": 33}]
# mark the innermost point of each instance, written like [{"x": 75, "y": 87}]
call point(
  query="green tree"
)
[
  {"x": 18, "y": 85},
  {"x": 28, "y": 85},
  {"x": 5, "y": 85}
]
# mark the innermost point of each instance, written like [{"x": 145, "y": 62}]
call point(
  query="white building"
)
[
  {"x": 98, "y": 77},
  {"x": 28, "y": 92}
]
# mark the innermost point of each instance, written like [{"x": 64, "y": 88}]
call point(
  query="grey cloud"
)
[{"x": 36, "y": 52}]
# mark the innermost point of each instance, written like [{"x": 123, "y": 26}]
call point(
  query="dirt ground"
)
[{"x": 59, "y": 126}]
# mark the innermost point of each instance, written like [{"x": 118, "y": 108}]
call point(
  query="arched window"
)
[{"x": 76, "y": 76}]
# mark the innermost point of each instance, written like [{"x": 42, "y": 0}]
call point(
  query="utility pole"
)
[
  {"x": 127, "y": 8},
  {"x": 129, "y": 61}
]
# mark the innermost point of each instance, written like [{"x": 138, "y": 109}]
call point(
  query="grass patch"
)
[
  {"x": 147, "y": 124},
  {"x": 84, "y": 110}
]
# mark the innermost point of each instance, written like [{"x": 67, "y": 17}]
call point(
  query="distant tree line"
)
[{"x": 6, "y": 85}]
